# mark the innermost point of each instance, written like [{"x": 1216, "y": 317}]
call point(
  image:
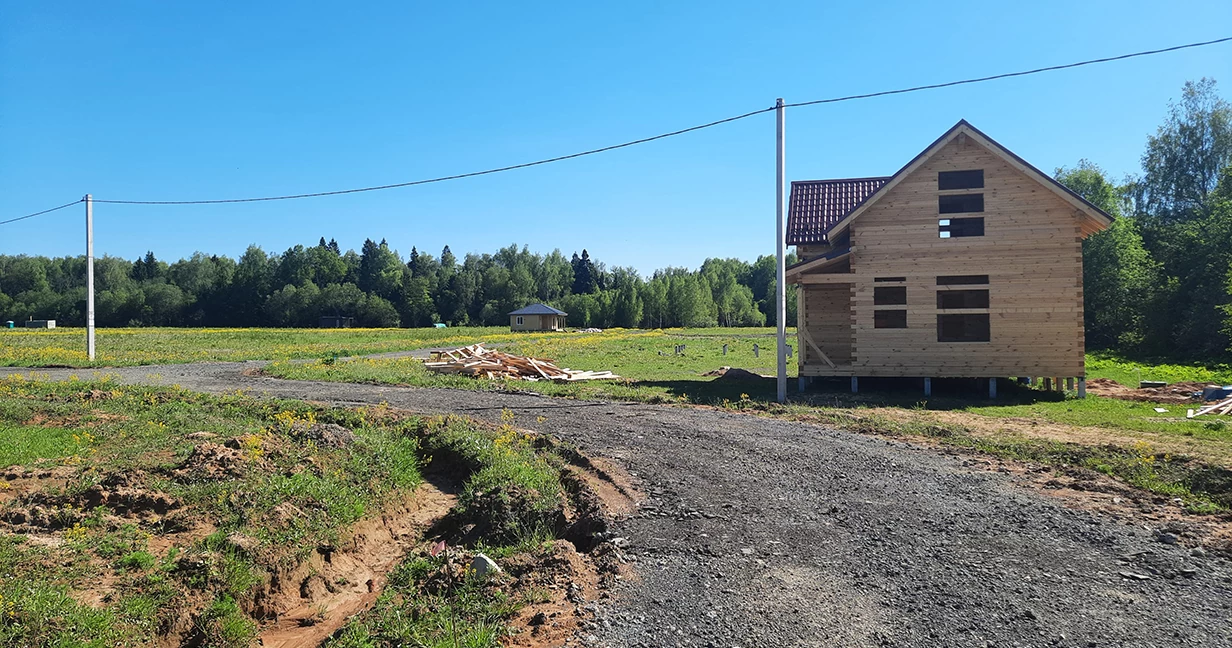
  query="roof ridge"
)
[{"x": 827, "y": 180}]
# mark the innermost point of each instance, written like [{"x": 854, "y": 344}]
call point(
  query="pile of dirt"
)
[
  {"x": 569, "y": 579},
  {"x": 728, "y": 373},
  {"x": 125, "y": 495},
  {"x": 211, "y": 462},
  {"x": 38, "y": 501},
  {"x": 1181, "y": 392},
  {"x": 324, "y": 435}
]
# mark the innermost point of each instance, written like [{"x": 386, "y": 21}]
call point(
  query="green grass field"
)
[
  {"x": 1129, "y": 372},
  {"x": 646, "y": 360},
  {"x": 65, "y": 347}
]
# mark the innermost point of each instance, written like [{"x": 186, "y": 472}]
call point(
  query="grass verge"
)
[{"x": 137, "y": 515}]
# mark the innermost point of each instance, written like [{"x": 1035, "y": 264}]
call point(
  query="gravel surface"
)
[{"x": 772, "y": 533}]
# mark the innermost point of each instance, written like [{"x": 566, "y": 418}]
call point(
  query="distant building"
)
[
  {"x": 537, "y": 317},
  {"x": 335, "y": 321},
  {"x": 41, "y": 324}
]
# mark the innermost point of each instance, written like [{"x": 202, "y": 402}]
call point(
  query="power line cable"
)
[
  {"x": 1007, "y": 75},
  {"x": 45, "y": 211},
  {"x": 645, "y": 139},
  {"x": 443, "y": 178}
]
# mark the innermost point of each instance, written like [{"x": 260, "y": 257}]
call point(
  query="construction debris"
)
[
  {"x": 1220, "y": 409},
  {"x": 477, "y": 361}
]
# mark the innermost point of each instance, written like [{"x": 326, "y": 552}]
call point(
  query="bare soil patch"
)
[
  {"x": 93, "y": 419},
  {"x": 567, "y": 578},
  {"x": 311, "y": 601},
  {"x": 1181, "y": 392},
  {"x": 211, "y": 462}
]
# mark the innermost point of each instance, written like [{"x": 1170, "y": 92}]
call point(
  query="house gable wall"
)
[{"x": 1031, "y": 251}]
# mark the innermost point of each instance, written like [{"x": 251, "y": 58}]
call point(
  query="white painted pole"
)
[
  {"x": 780, "y": 270},
  {"x": 89, "y": 276}
]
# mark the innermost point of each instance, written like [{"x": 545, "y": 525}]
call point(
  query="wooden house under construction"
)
[{"x": 967, "y": 263}]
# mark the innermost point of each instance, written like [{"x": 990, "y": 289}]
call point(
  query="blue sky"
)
[{"x": 158, "y": 100}]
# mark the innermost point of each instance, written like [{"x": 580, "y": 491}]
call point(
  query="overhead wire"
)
[
  {"x": 40, "y": 213},
  {"x": 643, "y": 140},
  {"x": 442, "y": 178},
  {"x": 1007, "y": 75}
]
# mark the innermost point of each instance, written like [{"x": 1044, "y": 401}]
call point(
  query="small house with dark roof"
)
[
  {"x": 966, "y": 263},
  {"x": 537, "y": 317}
]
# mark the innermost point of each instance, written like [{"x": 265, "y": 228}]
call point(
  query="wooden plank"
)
[{"x": 809, "y": 338}]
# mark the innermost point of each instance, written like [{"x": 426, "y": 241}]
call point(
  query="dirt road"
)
[{"x": 772, "y": 533}]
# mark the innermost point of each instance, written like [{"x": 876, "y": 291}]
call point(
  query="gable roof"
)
[
  {"x": 815, "y": 205},
  {"x": 1096, "y": 218},
  {"x": 538, "y": 309}
]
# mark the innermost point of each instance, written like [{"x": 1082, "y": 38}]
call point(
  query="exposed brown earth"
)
[
  {"x": 1181, "y": 392},
  {"x": 309, "y": 602}
]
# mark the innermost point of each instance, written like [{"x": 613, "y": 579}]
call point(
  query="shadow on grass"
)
[{"x": 948, "y": 393}]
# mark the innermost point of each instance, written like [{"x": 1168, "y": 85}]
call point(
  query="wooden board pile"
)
[
  {"x": 477, "y": 361},
  {"x": 1219, "y": 409}
]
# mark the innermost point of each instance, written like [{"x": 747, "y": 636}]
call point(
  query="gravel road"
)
[{"x": 772, "y": 533}]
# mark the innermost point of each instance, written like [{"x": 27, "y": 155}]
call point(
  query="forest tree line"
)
[
  {"x": 381, "y": 288},
  {"x": 1157, "y": 283}
]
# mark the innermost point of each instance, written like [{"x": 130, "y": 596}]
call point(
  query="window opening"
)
[{"x": 973, "y": 179}]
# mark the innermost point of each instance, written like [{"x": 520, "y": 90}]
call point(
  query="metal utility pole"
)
[
  {"x": 89, "y": 276},
  {"x": 780, "y": 316}
]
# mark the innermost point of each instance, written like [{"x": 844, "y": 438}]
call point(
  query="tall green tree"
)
[
  {"x": 1119, "y": 275},
  {"x": 1184, "y": 157}
]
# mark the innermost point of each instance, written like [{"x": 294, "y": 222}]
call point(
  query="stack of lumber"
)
[
  {"x": 477, "y": 361},
  {"x": 1218, "y": 409}
]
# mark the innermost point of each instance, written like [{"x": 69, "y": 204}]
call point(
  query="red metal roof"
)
[{"x": 817, "y": 204}]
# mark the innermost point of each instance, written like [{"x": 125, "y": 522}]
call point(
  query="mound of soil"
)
[
  {"x": 126, "y": 496},
  {"x": 569, "y": 578},
  {"x": 36, "y": 506},
  {"x": 1181, "y": 392},
  {"x": 211, "y": 462},
  {"x": 325, "y": 435},
  {"x": 728, "y": 373}
]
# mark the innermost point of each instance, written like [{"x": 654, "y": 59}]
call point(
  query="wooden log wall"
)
[
  {"x": 1031, "y": 250},
  {"x": 826, "y": 315}
]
